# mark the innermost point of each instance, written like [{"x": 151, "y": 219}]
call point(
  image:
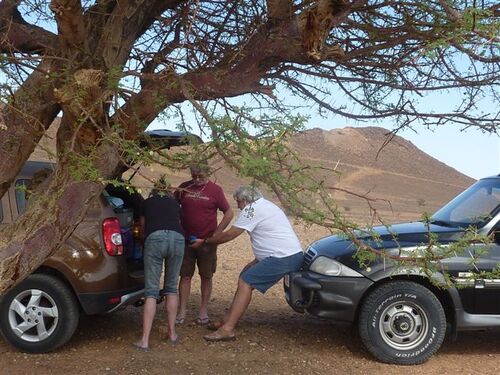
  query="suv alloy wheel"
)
[{"x": 39, "y": 314}]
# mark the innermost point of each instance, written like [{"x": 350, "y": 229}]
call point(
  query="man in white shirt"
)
[{"x": 276, "y": 248}]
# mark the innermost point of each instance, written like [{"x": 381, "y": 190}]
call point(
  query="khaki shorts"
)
[{"x": 205, "y": 257}]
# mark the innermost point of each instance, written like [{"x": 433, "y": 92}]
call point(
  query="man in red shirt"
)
[{"x": 200, "y": 200}]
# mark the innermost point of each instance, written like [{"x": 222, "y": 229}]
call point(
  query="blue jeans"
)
[
  {"x": 162, "y": 245},
  {"x": 268, "y": 271}
]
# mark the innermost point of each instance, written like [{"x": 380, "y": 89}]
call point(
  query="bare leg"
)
[
  {"x": 171, "y": 304},
  {"x": 147, "y": 321},
  {"x": 240, "y": 303},
  {"x": 206, "y": 292},
  {"x": 184, "y": 292}
]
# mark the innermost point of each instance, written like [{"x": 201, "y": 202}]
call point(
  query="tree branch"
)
[
  {"x": 16, "y": 35},
  {"x": 69, "y": 17}
]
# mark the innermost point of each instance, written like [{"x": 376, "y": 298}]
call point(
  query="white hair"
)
[{"x": 247, "y": 193}]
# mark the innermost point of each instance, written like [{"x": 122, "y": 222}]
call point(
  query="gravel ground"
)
[{"x": 271, "y": 339}]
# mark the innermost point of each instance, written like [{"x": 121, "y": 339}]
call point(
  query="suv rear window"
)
[{"x": 21, "y": 201}]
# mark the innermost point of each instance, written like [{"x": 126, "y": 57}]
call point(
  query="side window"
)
[{"x": 21, "y": 200}]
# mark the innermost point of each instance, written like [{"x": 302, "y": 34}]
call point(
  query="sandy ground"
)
[{"x": 271, "y": 339}]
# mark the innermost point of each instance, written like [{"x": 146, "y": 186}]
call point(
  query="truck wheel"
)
[
  {"x": 39, "y": 314},
  {"x": 402, "y": 322}
]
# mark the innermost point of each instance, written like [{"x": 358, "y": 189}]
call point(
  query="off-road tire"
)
[{"x": 402, "y": 323}]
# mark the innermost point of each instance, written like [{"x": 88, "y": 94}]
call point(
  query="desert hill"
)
[
  {"x": 409, "y": 179},
  {"x": 402, "y": 181},
  {"x": 359, "y": 147}
]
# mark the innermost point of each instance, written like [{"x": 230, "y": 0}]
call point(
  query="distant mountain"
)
[
  {"x": 365, "y": 147},
  {"x": 411, "y": 180}
]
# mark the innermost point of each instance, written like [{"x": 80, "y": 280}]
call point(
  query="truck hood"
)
[{"x": 405, "y": 235}]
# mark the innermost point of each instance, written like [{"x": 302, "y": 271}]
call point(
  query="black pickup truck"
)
[{"x": 401, "y": 315}]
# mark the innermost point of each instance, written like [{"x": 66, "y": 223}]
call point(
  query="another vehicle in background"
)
[{"x": 97, "y": 270}]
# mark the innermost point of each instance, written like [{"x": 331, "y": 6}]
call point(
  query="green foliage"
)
[
  {"x": 83, "y": 168},
  {"x": 460, "y": 32},
  {"x": 429, "y": 258},
  {"x": 259, "y": 149}
]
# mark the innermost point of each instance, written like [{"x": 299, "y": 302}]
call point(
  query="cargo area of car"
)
[{"x": 126, "y": 206}]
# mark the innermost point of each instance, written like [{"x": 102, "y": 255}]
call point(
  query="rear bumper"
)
[
  {"x": 108, "y": 302},
  {"x": 328, "y": 297}
]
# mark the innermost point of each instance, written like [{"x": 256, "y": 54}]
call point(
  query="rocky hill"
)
[{"x": 405, "y": 180}]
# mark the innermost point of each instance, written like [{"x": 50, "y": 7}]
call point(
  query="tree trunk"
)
[{"x": 29, "y": 113}]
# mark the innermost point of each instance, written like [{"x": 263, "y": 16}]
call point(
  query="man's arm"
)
[
  {"x": 226, "y": 219},
  {"x": 217, "y": 239}
]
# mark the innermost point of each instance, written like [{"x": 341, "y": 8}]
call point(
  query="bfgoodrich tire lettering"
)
[
  {"x": 39, "y": 314},
  {"x": 402, "y": 322}
]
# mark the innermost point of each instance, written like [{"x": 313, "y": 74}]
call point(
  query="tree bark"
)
[{"x": 25, "y": 118}]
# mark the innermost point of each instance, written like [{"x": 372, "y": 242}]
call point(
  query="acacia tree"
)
[{"x": 110, "y": 67}]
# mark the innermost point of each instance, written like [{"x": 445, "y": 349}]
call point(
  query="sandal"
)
[
  {"x": 202, "y": 321},
  {"x": 179, "y": 320},
  {"x": 215, "y": 325},
  {"x": 220, "y": 335}
]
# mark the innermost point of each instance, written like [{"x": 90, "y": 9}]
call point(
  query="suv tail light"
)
[{"x": 112, "y": 236}]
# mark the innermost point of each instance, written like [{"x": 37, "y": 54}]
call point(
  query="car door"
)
[
  {"x": 460, "y": 269},
  {"x": 487, "y": 290}
]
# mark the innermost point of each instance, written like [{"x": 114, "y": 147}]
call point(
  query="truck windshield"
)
[{"x": 475, "y": 206}]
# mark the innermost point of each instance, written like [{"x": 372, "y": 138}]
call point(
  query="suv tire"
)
[
  {"x": 39, "y": 314},
  {"x": 402, "y": 323}
]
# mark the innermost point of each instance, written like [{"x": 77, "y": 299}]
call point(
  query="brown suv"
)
[{"x": 97, "y": 270}]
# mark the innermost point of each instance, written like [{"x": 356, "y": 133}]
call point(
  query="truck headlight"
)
[{"x": 330, "y": 267}]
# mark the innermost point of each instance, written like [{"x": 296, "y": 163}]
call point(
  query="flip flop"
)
[
  {"x": 220, "y": 335},
  {"x": 143, "y": 349},
  {"x": 180, "y": 320},
  {"x": 202, "y": 321}
]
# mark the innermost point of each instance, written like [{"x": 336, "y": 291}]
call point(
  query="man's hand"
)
[
  {"x": 223, "y": 237},
  {"x": 197, "y": 243}
]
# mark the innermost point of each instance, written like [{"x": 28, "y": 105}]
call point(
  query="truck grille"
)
[{"x": 309, "y": 256}]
